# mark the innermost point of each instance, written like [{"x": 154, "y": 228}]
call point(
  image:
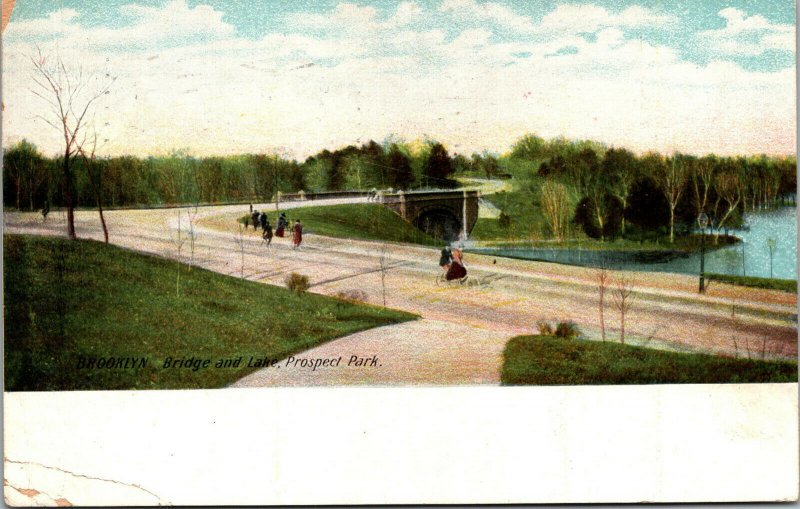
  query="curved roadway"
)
[{"x": 463, "y": 329}]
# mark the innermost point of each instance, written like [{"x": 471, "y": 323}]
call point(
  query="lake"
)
[{"x": 751, "y": 257}]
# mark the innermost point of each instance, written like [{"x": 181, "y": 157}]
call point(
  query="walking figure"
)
[
  {"x": 297, "y": 231},
  {"x": 281, "y": 226},
  {"x": 267, "y": 236},
  {"x": 445, "y": 259},
  {"x": 254, "y": 217},
  {"x": 45, "y": 211}
]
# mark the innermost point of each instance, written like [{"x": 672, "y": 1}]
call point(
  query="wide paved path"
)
[{"x": 464, "y": 328}]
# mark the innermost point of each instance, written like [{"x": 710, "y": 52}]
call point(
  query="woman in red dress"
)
[
  {"x": 281, "y": 225},
  {"x": 457, "y": 269},
  {"x": 297, "y": 231}
]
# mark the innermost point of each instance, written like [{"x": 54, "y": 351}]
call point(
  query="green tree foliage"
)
[
  {"x": 438, "y": 167},
  {"x": 352, "y": 167},
  {"x": 601, "y": 217},
  {"x": 530, "y": 147},
  {"x": 486, "y": 164},
  {"x": 533, "y": 148},
  {"x": 335, "y": 167},
  {"x": 25, "y": 175},
  {"x": 621, "y": 170},
  {"x": 656, "y": 194},
  {"x": 613, "y": 182},
  {"x": 270, "y": 174},
  {"x": 647, "y": 208},
  {"x": 402, "y": 175}
]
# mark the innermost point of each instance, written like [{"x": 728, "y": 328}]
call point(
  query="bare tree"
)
[
  {"x": 671, "y": 177},
  {"x": 771, "y": 245},
  {"x": 70, "y": 96},
  {"x": 192, "y": 233},
  {"x": 601, "y": 203},
  {"x": 241, "y": 242},
  {"x": 729, "y": 187},
  {"x": 178, "y": 240},
  {"x": 702, "y": 180},
  {"x": 383, "y": 262},
  {"x": 556, "y": 205},
  {"x": 602, "y": 280},
  {"x": 621, "y": 169},
  {"x": 622, "y": 296},
  {"x": 96, "y": 179}
]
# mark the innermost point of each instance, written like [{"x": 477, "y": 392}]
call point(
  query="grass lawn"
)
[
  {"x": 490, "y": 231},
  {"x": 545, "y": 360},
  {"x": 784, "y": 285},
  {"x": 528, "y": 218},
  {"x": 71, "y": 299},
  {"x": 360, "y": 221}
]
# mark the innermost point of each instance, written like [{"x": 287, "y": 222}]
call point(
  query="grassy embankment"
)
[
  {"x": 361, "y": 221},
  {"x": 784, "y": 285},
  {"x": 67, "y": 299},
  {"x": 545, "y": 360},
  {"x": 684, "y": 244}
]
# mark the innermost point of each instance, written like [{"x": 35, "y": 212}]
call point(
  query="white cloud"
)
[
  {"x": 60, "y": 24},
  {"x": 407, "y": 12},
  {"x": 487, "y": 12},
  {"x": 610, "y": 37},
  {"x": 578, "y": 18},
  {"x": 175, "y": 20},
  {"x": 745, "y": 35},
  {"x": 300, "y": 91},
  {"x": 353, "y": 18},
  {"x": 565, "y": 18},
  {"x": 174, "y": 24},
  {"x": 344, "y": 15}
]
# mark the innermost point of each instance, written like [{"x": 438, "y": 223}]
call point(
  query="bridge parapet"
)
[{"x": 442, "y": 214}]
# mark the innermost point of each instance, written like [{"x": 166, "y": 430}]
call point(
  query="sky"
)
[{"x": 216, "y": 77}]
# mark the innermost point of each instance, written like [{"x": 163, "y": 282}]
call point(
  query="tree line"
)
[
  {"x": 31, "y": 179},
  {"x": 619, "y": 192},
  {"x": 605, "y": 192}
]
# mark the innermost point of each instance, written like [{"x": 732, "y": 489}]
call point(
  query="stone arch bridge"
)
[{"x": 441, "y": 214}]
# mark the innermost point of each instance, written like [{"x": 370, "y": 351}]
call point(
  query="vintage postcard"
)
[{"x": 528, "y": 248}]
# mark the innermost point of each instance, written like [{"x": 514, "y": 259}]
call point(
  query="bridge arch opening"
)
[{"x": 440, "y": 223}]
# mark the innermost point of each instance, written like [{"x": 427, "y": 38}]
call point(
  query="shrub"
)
[
  {"x": 545, "y": 329},
  {"x": 567, "y": 330},
  {"x": 352, "y": 295},
  {"x": 504, "y": 220},
  {"x": 297, "y": 282}
]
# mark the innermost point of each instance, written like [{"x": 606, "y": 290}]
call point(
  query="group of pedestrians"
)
[{"x": 260, "y": 219}]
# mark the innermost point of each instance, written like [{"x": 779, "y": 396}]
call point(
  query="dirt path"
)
[
  {"x": 412, "y": 353},
  {"x": 465, "y": 328}
]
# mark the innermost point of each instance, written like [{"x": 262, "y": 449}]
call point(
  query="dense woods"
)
[
  {"x": 573, "y": 187},
  {"x": 31, "y": 178},
  {"x": 618, "y": 193}
]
